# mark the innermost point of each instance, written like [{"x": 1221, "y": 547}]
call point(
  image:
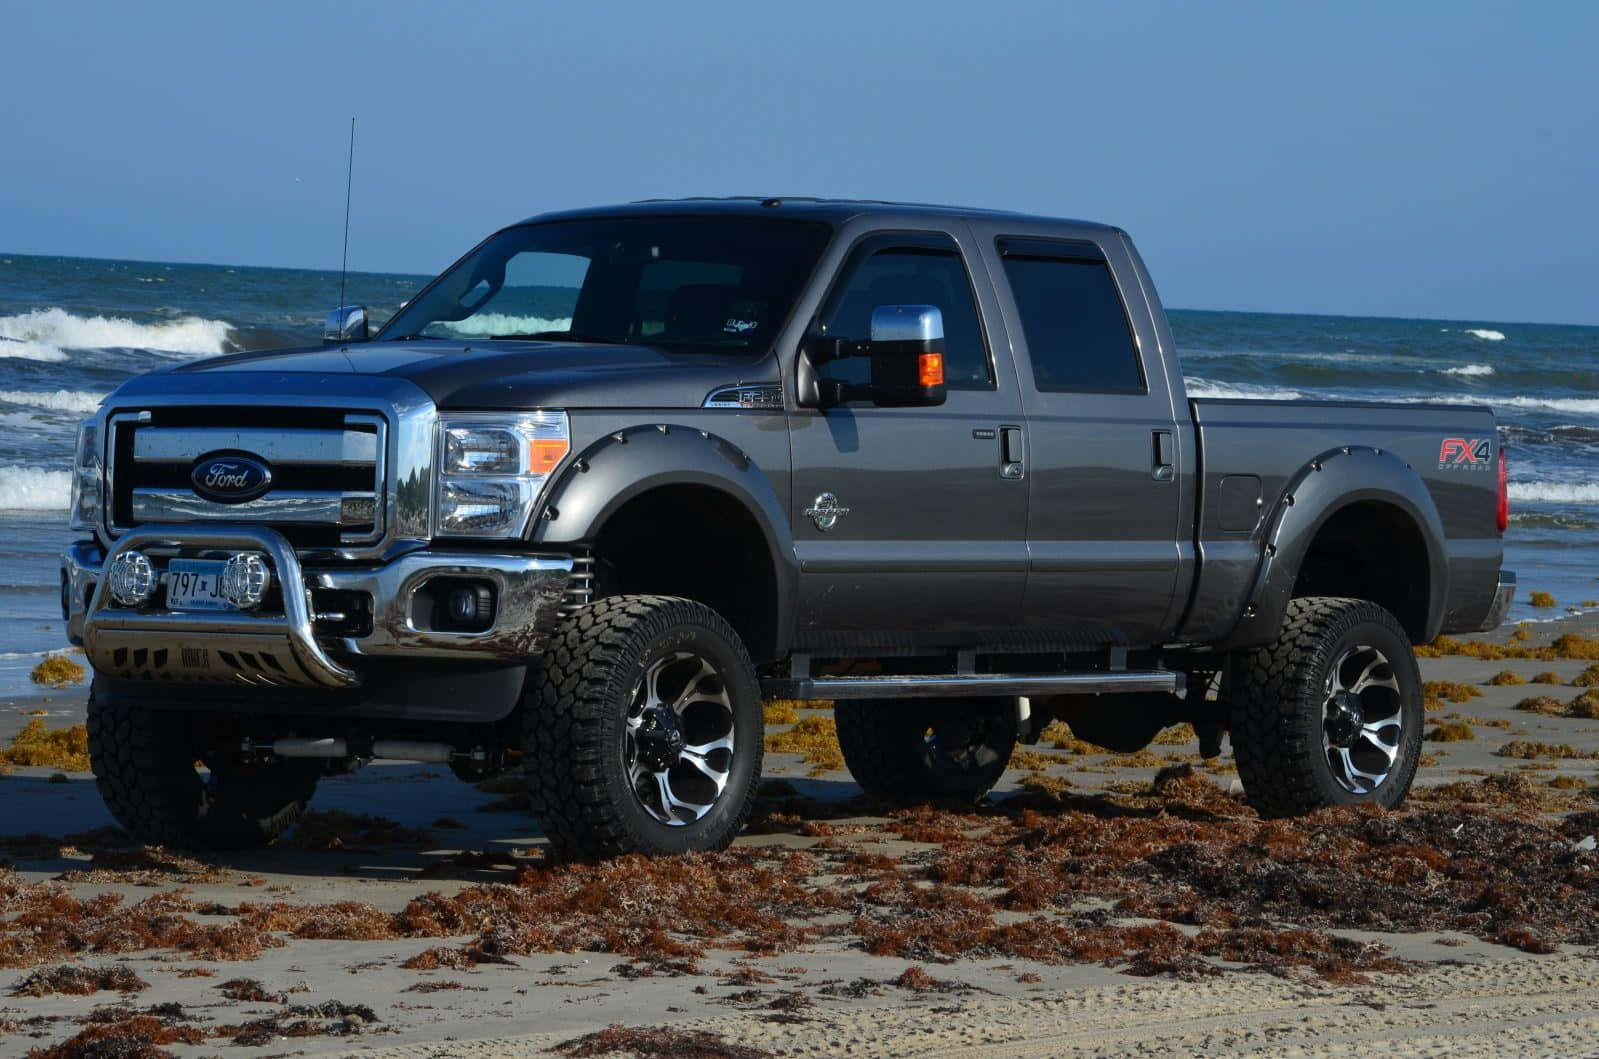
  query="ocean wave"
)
[
  {"x": 56, "y": 400},
  {"x": 17, "y": 349},
  {"x": 1471, "y": 369},
  {"x": 505, "y": 324},
  {"x": 57, "y": 330},
  {"x": 1555, "y": 492},
  {"x": 1198, "y": 387},
  {"x": 1486, "y": 334},
  {"x": 34, "y": 489}
]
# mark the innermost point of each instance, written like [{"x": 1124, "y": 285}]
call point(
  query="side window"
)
[
  {"x": 911, "y": 276},
  {"x": 1075, "y": 325}
]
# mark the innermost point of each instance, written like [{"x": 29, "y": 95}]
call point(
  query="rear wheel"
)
[
  {"x": 925, "y": 749},
  {"x": 1330, "y": 714},
  {"x": 643, "y": 729},
  {"x": 144, "y": 766}
]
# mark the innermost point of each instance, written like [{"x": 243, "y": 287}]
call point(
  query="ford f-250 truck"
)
[{"x": 618, "y": 474}]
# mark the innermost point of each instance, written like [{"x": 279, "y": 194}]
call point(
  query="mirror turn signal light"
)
[{"x": 930, "y": 369}]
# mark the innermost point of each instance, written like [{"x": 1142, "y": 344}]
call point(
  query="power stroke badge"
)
[{"x": 825, "y": 511}]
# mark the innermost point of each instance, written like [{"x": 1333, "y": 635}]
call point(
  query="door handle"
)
[
  {"x": 1164, "y": 467},
  {"x": 1012, "y": 453}
]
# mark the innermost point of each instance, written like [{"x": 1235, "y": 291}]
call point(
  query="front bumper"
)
[
  {"x": 1503, "y": 596},
  {"x": 286, "y": 648}
]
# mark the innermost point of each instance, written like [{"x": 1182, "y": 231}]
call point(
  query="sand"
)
[{"x": 1461, "y": 995}]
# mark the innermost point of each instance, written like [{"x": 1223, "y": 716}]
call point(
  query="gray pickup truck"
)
[{"x": 619, "y": 474}]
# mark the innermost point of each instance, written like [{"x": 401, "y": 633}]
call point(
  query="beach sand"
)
[{"x": 1429, "y": 977}]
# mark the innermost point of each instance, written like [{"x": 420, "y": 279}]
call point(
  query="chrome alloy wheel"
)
[
  {"x": 1362, "y": 719},
  {"x": 677, "y": 747}
]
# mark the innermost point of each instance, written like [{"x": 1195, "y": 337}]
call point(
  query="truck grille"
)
[{"x": 327, "y": 468}]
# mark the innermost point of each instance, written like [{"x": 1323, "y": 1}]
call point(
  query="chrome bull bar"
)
[{"x": 236, "y": 647}]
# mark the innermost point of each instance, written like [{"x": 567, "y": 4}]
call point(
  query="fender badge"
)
[{"x": 825, "y": 511}]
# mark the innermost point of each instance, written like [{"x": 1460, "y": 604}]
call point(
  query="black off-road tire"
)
[
  {"x": 886, "y": 748},
  {"x": 144, "y": 765},
  {"x": 1276, "y": 697},
  {"x": 574, "y": 715}
]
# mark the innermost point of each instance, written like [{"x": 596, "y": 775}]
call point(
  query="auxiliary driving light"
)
[
  {"x": 245, "y": 579},
  {"x": 132, "y": 579}
]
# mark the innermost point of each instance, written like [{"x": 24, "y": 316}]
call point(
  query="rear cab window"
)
[{"x": 1075, "y": 325}]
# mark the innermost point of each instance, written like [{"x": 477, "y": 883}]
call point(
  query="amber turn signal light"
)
[
  {"x": 930, "y": 369},
  {"x": 544, "y": 453}
]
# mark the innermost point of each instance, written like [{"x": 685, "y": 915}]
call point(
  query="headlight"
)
[
  {"x": 87, "y": 477},
  {"x": 492, "y": 468}
]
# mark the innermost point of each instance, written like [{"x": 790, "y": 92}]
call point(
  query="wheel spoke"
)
[
  {"x": 1368, "y": 677},
  {"x": 671, "y": 802},
  {"x": 691, "y": 691},
  {"x": 702, "y": 749},
  {"x": 717, "y": 776}
]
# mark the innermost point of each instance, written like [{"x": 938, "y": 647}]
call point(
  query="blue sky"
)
[{"x": 1410, "y": 159}]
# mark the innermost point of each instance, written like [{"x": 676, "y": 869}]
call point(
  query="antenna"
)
[{"x": 349, "y": 178}]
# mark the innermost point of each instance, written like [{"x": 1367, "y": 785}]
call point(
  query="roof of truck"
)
[{"x": 801, "y": 206}]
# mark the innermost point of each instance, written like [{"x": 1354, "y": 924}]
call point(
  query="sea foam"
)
[
  {"x": 55, "y": 400},
  {"x": 54, "y": 330},
  {"x": 1555, "y": 492},
  {"x": 1198, "y": 387},
  {"x": 505, "y": 324},
  {"x": 1486, "y": 334},
  {"x": 34, "y": 489},
  {"x": 1471, "y": 369},
  {"x": 16, "y": 349}
]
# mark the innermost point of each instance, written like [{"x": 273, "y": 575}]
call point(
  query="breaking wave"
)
[
  {"x": 1486, "y": 334},
  {"x": 1198, "y": 387},
  {"x": 1555, "y": 492},
  {"x": 504, "y": 324},
  {"x": 56, "y": 401},
  {"x": 34, "y": 489},
  {"x": 1471, "y": 369},
  {"x": 17, "y": 349},
  {"x": 49, "y": 331}
]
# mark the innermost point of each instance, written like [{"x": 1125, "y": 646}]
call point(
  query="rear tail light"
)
[{"x": 1503, "y": 514}]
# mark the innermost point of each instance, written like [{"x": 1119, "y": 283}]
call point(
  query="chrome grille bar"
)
[
  {"x": 337, "y": 448},
  {"x": 307, "y": 508}
]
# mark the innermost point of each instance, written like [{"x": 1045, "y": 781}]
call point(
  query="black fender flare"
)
[
  {"x": 629, "y": 463},
  {"x": 1323, "y": 487}
]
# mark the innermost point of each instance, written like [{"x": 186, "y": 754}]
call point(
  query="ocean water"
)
[{"x": 71, "y": 329}]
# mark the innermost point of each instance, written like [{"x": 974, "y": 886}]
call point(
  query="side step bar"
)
[{"x": 956, "y": 686}]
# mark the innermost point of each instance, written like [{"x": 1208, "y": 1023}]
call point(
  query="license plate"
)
[{"x": 196, "y": 584}]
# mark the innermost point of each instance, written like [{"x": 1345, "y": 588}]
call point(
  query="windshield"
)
[{"x": 711, "y": 284}]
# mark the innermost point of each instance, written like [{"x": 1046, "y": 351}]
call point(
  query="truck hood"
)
[{"x": 508, "y": 375}]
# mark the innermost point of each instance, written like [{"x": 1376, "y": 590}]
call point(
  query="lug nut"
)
[{"x": 132, "y": 579}]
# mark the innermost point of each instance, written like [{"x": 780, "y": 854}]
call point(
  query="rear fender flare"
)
[
  {"x": 1323, "y": 487},
  {"x": 629, "y": 463}
]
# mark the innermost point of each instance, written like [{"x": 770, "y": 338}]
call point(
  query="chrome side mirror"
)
[
  {"x": 345, "y": 324},
  {"x": 907, "y": 354}
]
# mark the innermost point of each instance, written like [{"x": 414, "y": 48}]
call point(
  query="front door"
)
[{"x": 908, "y": 526}]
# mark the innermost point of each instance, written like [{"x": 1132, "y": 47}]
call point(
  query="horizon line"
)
[{"x": 1168, "y": 308}]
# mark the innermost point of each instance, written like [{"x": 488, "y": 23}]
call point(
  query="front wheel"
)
[
  {"x": 643, "y": 729},
  {"x": 917, "y": 750},
  {"x": 1330, "y": 714},
  {"x": 144, "y": 765}
]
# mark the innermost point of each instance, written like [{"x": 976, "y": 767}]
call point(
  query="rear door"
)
[
  {"x": 1104, "y": 462},
  {"x": 908, "y": 530}
]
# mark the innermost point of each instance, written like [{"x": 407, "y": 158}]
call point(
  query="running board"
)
[{"x": 952, "y": 686}]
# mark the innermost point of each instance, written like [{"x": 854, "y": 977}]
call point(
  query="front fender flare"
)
[
  {"x": 1323, "y": 487},
  {"x": 629, "y": 463}
]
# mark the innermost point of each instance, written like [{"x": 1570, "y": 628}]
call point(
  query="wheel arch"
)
[
  {"x": 1356, "y": 522},
  {"x": 715, "y": 492}
]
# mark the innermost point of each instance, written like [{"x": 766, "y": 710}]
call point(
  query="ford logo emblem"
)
[{"x": 230, "y": 477}]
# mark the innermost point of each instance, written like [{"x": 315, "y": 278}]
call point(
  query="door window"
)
[
  {"x": 1076, "y": 328},
  {"x": 910, "y": 275}
]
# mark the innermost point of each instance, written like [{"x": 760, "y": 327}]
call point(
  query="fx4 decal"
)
[{"x": 1465, "y": 454}]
